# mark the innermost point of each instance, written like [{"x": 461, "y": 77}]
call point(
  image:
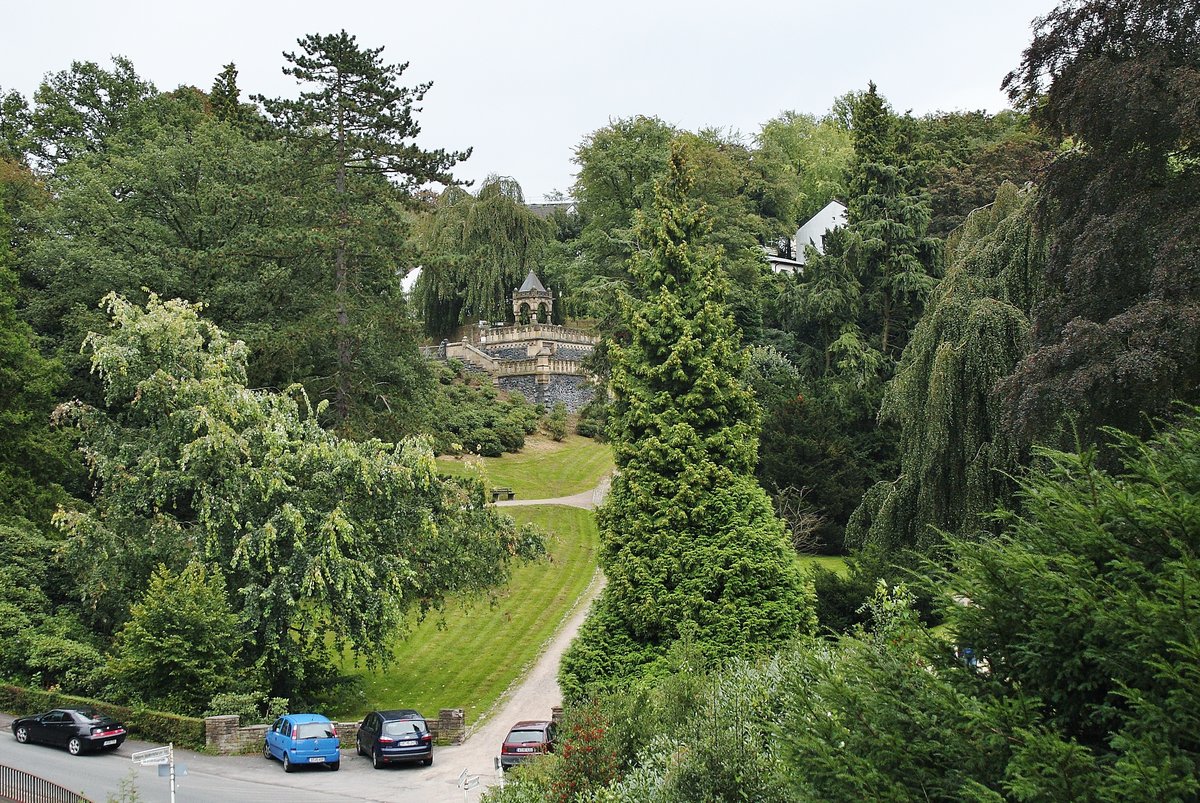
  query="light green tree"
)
[
  {"x": 817, "y": 151},
  {"x": 324, "y": 543},
  {"x": 687, "y": 535},
  {"x": 181, "y": 642}
]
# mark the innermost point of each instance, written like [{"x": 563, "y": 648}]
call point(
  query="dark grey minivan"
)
[{"x": 392, "y": 737}]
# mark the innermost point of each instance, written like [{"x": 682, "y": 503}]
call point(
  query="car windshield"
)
[
  {"x": 313, "y": 730},
  {"x": 404, "y": 727},
  {"x": 90, "y": 714},
  {"x": 526, "y": 736}
]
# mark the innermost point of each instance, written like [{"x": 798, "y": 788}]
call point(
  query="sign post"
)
[{"x": 159, "y": 755}]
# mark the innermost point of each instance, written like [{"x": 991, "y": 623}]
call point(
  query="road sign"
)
[{"x": 155, "y": 755}]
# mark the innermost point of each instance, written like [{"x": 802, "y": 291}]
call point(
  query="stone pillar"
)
[
  {"x": 451, "y": 726},
  {"x": 221, "y": 734}
]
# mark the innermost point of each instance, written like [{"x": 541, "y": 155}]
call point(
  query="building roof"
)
[
  {"x": 532, "y": 284},
  {"x": 813, "y": 232},
  {"x": 548, "y": 208}
]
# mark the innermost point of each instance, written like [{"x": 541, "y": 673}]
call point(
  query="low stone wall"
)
[{"x": 225, "y": 736}]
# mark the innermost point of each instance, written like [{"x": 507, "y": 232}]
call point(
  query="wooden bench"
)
[{"x": 503, "y": 493}]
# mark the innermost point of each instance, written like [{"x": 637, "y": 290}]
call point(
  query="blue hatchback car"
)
[{"x": 303, "y": 739}]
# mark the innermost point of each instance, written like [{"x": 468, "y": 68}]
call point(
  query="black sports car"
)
[{"x": 80, "y": 730}]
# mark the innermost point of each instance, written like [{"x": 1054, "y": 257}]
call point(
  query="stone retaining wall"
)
[
  {"x": 573, "y": 391},
  {"x": 225, "y": 736}
]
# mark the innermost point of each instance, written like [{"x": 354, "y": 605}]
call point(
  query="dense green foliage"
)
[
  {"x": 846, "y": 319},
  {"x": 180, "y": 645},
  {"x": 1117, "y": 332},
  {"x": 475, "y": 251},
  {"x": 955, "y": 453},
  {"x": 1074, "y": 677},
  {"x": 323, "y": 542},
  {"x": 355, "y": 128},
  {"x": 470, "y": 416},
  {"x": 689, "y": 540}
]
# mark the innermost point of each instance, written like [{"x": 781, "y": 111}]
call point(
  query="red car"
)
[
  {"x": 527, "y": 739},
  {"x": 80, "y": 730}
]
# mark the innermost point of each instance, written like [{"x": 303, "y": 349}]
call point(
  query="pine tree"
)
[
  {"x": 887, "y": 218},
  {"x": 357, "y": 127},
  {"x": 690, "y": 542}
]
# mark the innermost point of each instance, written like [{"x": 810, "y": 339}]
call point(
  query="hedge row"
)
[{"x": 150, "y": 726}]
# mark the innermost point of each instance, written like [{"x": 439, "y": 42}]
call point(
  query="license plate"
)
[
  {"x": 315, "y": 759},
  {"x": 406, "y": 744},
  {"x": 107, "y": 742},
  {"x": 524, "y": 749}
]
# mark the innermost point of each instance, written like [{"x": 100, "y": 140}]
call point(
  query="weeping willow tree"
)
[
  {"x": 955, "y": 457},
  {"x": 476, "y": 249}
]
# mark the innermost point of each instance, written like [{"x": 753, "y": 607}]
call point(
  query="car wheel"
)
[
  {"x": 75, "y": 746},
  {"x": 287, "y": 764},
  {"x": 428, "y": 762},
  {"x": 358, "y": 748},
  {"x": 335, "y": 766},
  {"x": 267, "y": 751},
  {"x": 376, "y": 762},
  {"x": 22, "y": 734}
]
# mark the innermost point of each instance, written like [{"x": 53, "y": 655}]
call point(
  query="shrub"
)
[
  {"x": 152, "y": 726},
  {"x": 556, "y": 422}
]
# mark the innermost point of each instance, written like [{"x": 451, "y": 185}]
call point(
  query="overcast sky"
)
[{"x": 523, "y": 81}]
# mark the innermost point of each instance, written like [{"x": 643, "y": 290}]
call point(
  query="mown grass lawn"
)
[
  {"x": 544, "y": 469},
  {"x": 482, "y": 647},
  {"x": 831, "y": 563}
]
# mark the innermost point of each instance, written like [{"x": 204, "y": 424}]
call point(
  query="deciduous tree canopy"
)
[{"x": 323, "y": 542}]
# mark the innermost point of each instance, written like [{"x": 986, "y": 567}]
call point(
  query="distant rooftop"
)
[{"x": 548, "y": 208}]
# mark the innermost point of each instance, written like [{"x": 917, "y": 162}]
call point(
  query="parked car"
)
[
  {"x": 303, "y": 739},
  {"x": 390, "y": 737},
  {"x": 525, "y": 740},
  {"x": 80, "y": 730}
]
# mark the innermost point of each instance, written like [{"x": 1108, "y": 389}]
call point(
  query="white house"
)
[{"x": 811, "y": 233}]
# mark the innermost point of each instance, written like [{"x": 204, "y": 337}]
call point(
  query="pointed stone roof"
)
[{"x": 532, "y": 284}]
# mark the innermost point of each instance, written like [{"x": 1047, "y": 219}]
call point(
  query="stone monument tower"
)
[{"x": 532, "y": 303}]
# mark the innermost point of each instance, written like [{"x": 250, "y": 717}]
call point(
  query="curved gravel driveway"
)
[{"x": 534, "y": 695}]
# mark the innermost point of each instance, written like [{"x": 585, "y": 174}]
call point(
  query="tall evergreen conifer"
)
[
  {"x": 690, "y": 543},
  {"x": 888, "y": 218},
  {"x": 356, "y": 126}
]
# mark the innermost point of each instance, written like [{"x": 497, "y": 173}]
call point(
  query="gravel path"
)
[
  {"x": 533, "y": 696},
  {"x": 588, "y": 500}
]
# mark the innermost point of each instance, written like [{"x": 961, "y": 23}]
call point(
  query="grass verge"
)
[
  {"x": 544, "y": 469},
  {"x": 468, "y": 657}
]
